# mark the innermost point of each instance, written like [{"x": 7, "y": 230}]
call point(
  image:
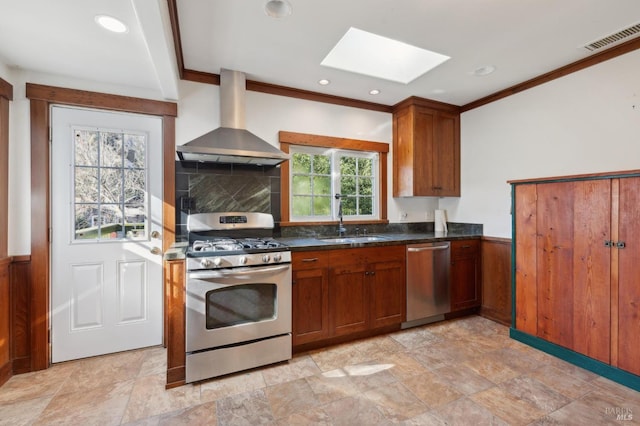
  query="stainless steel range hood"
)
[{"x": 231, "y": 143}]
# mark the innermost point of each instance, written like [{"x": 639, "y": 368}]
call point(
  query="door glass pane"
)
[
  {"x": 111, "y": 149},
  {"x": 240, "y": 304},
  {"x": 86, "y": 147},
  {"x": 134, "y": 186},
  {"x": 135, "y": 221},
  {"x": 86, "y": 221},
  {"x": 110, "y": 185},
  {"x": 134, "y": 151},
  {"x": 86, "y": 184},
  {"x": 111, "y": 222}
]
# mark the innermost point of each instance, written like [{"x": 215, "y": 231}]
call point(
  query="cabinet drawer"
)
[
  {"x": 309, "y": 260},
  {"x": 364, "y": 255},
  {"x": 462, "y": 248}
]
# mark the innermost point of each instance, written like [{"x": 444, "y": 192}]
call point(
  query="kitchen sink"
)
[{"x": 352, "y": 240}]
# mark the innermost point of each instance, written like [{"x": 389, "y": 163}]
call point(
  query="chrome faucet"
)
[{"x": 341, "y": 229}]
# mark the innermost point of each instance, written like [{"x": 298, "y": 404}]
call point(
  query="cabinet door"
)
[
  {"x": 525, "y": 234},
  {"x": 573, "y": 265},
  {"x": 426, "y": 152},
  {"x": 445, "y": 156},
  {"x": 628, "y": 300},
  {"x": 310, "y": 305},
  {"x": 555, "y": 262},
  {"x": 591, "y": 269},
  {"x": 423, "y": 145},
  {"x": 465, "y": 274},
  {"x": 388, "y": 293},
  {"x": 310, "y": 296},
  {"x": 348, "y": 299}
]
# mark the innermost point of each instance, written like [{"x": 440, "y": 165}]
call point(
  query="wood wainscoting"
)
[
  {"x": 5, "y": 321},
  {"x": 496, "y": 279},
  {"x": 15, "y": 348},
  {"x": 20, "y": 283}
]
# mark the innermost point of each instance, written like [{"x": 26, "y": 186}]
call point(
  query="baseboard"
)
[{"x": 620, "y": 376}]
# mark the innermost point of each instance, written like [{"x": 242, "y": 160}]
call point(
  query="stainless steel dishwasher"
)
[{"x": 428, "y": 288}]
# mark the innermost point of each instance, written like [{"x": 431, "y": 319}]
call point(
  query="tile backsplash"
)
[{"x": 210, "y": 187}]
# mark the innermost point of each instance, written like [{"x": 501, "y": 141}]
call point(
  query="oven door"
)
[{"x": 232, "y": 306}]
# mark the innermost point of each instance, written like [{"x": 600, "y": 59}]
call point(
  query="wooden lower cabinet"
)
[
  {"x": 576, "y": 267},
  {"x": 388, "y": 289},
  {"x": 347, "y": 291},
  {"x": 310, "y": 296},
  {"x": 496, "y": 279},
  {"x": 465, "y": 274}
]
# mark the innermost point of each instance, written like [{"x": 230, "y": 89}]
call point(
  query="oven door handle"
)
[{"x": 238, "y": 271}]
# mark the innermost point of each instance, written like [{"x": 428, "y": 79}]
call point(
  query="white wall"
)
[
  {"x": 586, "y": 122},
  {"x": 266, "y": 115},
  {"x": 582, "y": 123},
  {"x": 19, "y": 235}
]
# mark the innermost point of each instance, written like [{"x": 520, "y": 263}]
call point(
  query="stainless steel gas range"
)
[{"x": 238, "y": 308}]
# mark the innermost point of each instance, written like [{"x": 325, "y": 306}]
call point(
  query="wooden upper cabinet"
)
[{"x": 426, "y": 149}]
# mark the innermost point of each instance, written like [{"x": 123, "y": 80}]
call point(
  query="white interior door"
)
[{"x": 106, "y": 218}]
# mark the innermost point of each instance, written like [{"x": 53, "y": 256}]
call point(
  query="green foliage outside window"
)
[{"x": 312, "y": 187}]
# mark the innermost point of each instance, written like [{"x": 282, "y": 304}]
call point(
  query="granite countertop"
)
[
  {"x": 178, "y": 250},
  {"x": 328, "y": 243}
]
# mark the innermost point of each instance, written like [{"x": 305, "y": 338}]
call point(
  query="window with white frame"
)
[{"x": 318, "y": 174}]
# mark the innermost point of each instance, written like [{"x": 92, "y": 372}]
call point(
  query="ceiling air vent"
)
[{"x": 613, "y": 38}]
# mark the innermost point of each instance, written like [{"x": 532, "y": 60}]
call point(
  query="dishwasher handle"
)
[{"x": 432, "y": 248}]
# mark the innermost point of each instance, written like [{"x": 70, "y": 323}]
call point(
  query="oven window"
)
[{"x": 241, "y": 304}]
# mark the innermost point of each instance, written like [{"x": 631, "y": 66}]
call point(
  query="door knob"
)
[
  {"x": 155, "y": 234},
  {"x": 155, "y": 250}
]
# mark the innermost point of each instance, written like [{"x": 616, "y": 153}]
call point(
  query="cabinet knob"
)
[{"x": 620, "y": 244}]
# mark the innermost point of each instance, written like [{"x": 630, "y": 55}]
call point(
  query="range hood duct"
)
[{"x": 232, "y": 142}]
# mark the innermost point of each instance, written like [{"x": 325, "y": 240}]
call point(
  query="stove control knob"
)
[
  {"x": 217, "y": 261},
  {"x": 277, "y": 257},
  {"x": 242, "y": 260},
  {"x": 266, "y": 258},
  {"x": 206, "y": 263}
]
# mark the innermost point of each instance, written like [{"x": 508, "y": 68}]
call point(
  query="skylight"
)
[{"x": 369, "y": 54}]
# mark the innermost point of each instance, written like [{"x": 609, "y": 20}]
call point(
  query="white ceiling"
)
[{"x": 521, "y": 38}]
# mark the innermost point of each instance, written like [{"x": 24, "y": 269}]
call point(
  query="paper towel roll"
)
[{"x": 440, "y": 221}]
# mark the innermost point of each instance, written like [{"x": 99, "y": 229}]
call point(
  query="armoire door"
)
[
  {"x": 628, "y": 251},
  {"x": 573, "y": 265}
]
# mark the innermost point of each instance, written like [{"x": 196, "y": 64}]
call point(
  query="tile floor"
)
[{"x": 461, "y": 372}]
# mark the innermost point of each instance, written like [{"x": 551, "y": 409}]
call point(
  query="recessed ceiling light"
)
[
  {"x": 484, "y": 70},
  {"x": 277, "y": 8},
  {"x": 374, "y": 92},
  {"x": 323, "y": 82},
  {"x": 437, "y": 91},
  {"x": 381, "y": 57},
  {"x": 112, "y": 24}
]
